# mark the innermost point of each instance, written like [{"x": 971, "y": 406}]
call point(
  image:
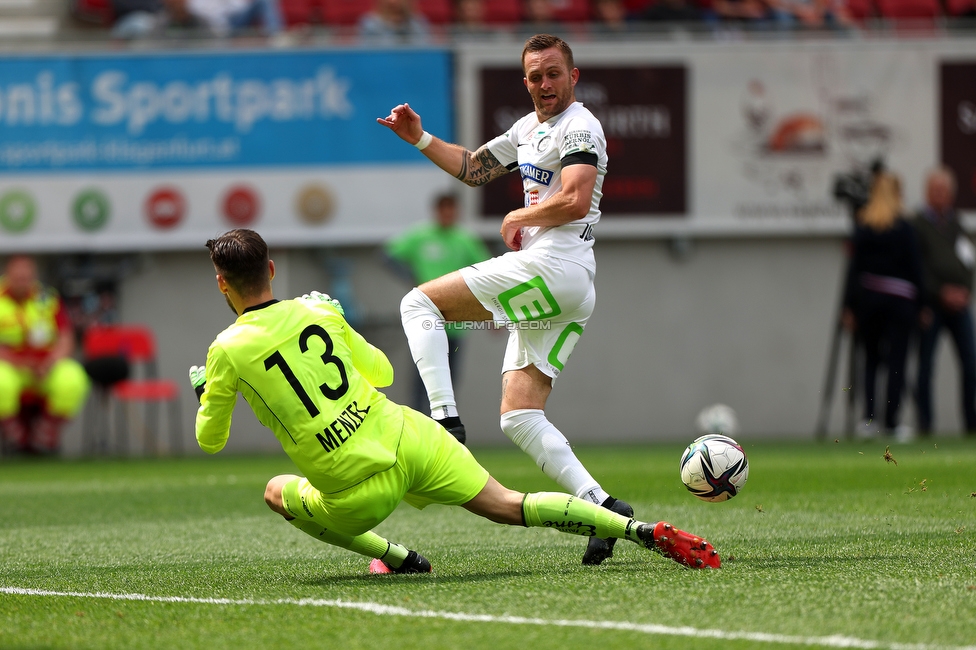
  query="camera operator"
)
[
  {"x": 881, "y": 300},
  {"x": 854, "y": 189}
]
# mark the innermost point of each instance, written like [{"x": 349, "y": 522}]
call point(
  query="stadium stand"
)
[
  {"x": 335, "y": 21},
  {"x": 909, "y": 9},
  {"x": 343, "y": 13},
  {"x": 438, "y": 12},
  {"x": 299, "y": 12},
  {"x": 570, "y": 11},
  {"x": 862, "y": 10},
  {"x": 960, "y": 8},
  {"x": 503, "y": 12}
]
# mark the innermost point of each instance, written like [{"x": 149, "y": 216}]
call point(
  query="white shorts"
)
[{"x": 544, "y": 301}]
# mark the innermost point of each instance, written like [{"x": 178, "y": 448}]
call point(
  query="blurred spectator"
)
[
  {"x": 819, "y": 14},
  {"x": 469, "y": 18},
  {"x": 36, "y": 343},
  {"x": 177, "y": 15},
  {"x": 948, "y": 259},
  {"x": 881, "y": 300},
  {"x": 610, "y": 17},
  {"x": 136, "y": 18},
  {"x": 538, "y": 17},
  {"x": 760, "y": 14},
  {"x": 672, "y": 11},
  {"x": 428, "y": 251},
  {"x": 217, "y": 17},
  {"x": 232, "y": 17},
  {"x": 393, "y": 22}
]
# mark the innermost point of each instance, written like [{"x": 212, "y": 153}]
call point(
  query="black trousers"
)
[{"x": 885, "y": 324}]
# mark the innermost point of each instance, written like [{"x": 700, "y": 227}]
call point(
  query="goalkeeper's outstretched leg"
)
[{"x": 569, "y": 514}]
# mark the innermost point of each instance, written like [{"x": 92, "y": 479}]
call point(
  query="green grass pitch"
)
[{"x": 828, "y": 545}]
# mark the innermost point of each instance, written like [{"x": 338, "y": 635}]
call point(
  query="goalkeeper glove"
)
[
  {"x": 315, "y": 296},
  {"x": 198, "y": 379}
]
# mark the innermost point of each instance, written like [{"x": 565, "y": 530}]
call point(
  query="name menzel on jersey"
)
[
  {"x": 348, "y": 422},
  {"x": 537, "y": 174}
]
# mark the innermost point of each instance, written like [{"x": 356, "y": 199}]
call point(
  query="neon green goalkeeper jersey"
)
[{"x": 309, "y": 377}]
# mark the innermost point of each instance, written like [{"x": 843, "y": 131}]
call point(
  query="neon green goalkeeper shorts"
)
[{"x": 431, "y": 467}]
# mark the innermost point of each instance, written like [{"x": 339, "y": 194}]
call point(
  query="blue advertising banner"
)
[{"x": 215, "y": 110}]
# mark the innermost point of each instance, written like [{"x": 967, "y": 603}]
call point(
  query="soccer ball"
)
[
  {"x": 714, "y": 467},
  {"x": 717, "y": 418}
]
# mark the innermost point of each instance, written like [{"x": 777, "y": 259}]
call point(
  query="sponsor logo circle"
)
[
  {"x": 315, "y": 204},
  {"x": 17, "y": 211},
  {"x": 241, "y": 205},
  {"x": 165, "y": 207},
  {"x": 91, "y": 210}
]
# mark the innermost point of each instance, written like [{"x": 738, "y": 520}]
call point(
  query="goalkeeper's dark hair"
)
[
  {"x": 241, "y": 256},
  {"x": 541, "y": 42}
]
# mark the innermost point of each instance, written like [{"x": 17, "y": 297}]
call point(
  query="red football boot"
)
[{"x": 684, "y": 548}]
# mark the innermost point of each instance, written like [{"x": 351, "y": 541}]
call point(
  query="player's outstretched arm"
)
[{"x": 472, "y": 168}]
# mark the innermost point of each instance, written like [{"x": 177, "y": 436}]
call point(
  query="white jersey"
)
[{"x": 539, "y": 150}]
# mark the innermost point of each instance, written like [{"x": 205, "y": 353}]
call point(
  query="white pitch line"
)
[{"x": 836, "y": 641}]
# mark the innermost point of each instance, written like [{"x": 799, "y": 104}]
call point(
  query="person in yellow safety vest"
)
[{"x": 36, "y": 344}]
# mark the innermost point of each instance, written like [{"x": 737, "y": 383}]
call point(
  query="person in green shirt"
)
[
  {"x": 428, "y": 251},
  {"x": 312, "y": 379}
]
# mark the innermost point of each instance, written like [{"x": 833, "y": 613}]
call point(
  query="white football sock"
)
[
  {"x": 423, "y": 325},
  {"x": 536, "y": 436}
]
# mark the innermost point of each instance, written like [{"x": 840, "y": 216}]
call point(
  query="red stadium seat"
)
[
  {"x": 503, "y": 12},
  {"x": 909, "y": 9},
  {"x": 135, "y": 345},
  {"x": 344, "y": 12},
  {"x": 438, "y": 12},
  {"x": 570, "y": 11},
  {"x": 298, "y": 12},
  {"x": 635, "y": 7},
  {"x": 862, "y": 10}
]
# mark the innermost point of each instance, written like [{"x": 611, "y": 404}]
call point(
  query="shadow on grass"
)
[
  {"x": 809, "y": 562},
  {"x": 575, "y": 572}
]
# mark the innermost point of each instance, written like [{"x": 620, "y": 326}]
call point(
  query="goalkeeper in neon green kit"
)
[{"x": 311, "y": 379}]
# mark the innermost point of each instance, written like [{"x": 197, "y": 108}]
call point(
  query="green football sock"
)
[
  {"x": 369, "y": 544},
  {"x": 569, "y": 514}
]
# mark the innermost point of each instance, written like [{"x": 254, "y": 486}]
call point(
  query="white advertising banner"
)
[
  {"x": 775, "y": 124},
  {"x": 770, "y": 127}
]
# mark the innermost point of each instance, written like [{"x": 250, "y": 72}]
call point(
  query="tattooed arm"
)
[
  {"x": 479, "y": 167},
  {"x": 474, "y": 169}
]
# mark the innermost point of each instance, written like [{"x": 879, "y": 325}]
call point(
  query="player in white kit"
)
[{"x": 543, "y": 291}]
